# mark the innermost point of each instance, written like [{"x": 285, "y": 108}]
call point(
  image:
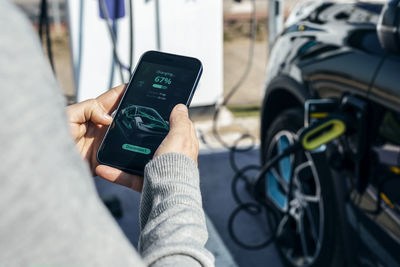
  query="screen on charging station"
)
[{"x": 142, "y": 121}]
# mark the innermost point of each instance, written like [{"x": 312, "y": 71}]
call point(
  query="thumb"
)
[
  {"x": 95, "y": 112},
  {"x": 181, "y": 137},
  {"x": 179, "y": 116}
]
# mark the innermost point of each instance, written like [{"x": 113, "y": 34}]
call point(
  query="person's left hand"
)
[{"x": 88, "y": 124}]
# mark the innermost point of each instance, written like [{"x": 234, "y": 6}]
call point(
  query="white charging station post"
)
[
  {"x": 193, "y": 28},
  {"x": 275, "y": 20}
]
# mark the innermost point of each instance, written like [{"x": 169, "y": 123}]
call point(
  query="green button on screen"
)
[{"x": 138, "y": 149}]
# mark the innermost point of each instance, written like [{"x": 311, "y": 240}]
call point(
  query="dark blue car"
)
[{"x": 346, "y": 207}]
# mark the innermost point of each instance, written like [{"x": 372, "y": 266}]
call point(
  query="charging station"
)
[{"x": 172, "y": 26}]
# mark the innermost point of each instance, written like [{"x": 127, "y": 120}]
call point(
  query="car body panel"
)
[
  {"x": 326, "y": 53},
  {"x": 386, "y": 88},
  {"x": 329, "y": 50}
]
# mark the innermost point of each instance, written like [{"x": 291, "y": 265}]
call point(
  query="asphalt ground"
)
[{"x": 215, "y": 179}]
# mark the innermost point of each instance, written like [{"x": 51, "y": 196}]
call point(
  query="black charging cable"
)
[
  {"x": 253, "y": 208},
  {"x": 113, "y": 37},
  {"x": 310, "y": 138},
  {"x": 112, "y": 34},
  {"x": 44, "y": 23},
  {"x": 234, "y": 90},
  {"x": 262, "y": 203}
]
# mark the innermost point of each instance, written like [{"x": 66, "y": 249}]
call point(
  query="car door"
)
[{"x": 379, "y": 204}]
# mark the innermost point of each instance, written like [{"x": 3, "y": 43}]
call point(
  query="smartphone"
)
[{"x": 141, "y": 122}]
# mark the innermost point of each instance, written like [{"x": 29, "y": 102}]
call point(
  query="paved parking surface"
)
[{"x": 216, "y": 177}]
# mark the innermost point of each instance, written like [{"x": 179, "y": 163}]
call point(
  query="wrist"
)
[{"x": 172, "y": 167}]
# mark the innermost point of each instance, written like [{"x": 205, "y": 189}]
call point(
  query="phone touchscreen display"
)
[{"x": 142, "y": 120}]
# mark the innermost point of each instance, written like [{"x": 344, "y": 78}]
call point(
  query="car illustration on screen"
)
[{"x": 145, "y": 120}]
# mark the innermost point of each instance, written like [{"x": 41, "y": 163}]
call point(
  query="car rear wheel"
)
[{"x": 306, "y": 234}]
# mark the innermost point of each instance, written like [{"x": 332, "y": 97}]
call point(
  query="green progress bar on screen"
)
[{"x": 159, "y": 86}]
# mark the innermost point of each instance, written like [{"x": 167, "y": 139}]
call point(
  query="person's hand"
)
[
  {"x": 88, "y": 124},
  {"x": 182, "y": 136}
]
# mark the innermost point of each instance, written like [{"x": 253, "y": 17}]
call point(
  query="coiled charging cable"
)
[{"x": 309, "y": 139}]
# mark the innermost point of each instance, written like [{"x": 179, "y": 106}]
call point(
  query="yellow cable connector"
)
[
  {"x": 322, "y": 134},
  {"x": 396, "y": 170},
  {"x": 319, "y": 115},
  {"x": 387, "y": 200}
]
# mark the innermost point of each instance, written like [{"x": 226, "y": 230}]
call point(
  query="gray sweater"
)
[{"x": 50, "y": 212}]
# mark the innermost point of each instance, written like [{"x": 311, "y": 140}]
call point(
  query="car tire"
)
[{"x": 328, "y": 254}]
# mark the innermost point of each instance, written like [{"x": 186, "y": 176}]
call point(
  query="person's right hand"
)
[
  {"x": 181, "y": 139},
  {"x": 182, "y": 136}
]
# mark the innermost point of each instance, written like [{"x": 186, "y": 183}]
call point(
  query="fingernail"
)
[
  {"x": 107, "y": 117},
  {"x": 182, "y": 108}
]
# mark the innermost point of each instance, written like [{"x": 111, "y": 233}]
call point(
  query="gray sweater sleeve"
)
[
  {"x": 172, "y": 220},
  {"x": 50, "y": 212}
]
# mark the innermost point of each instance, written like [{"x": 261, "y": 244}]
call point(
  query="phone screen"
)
[{"x": 142, "y": 119}]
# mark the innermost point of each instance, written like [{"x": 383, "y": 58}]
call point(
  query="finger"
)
[
  {"x": 179, "y": 118},
  {"x": 95, "y": 113},
  {"x": 179, "y": 111},
  {"x": 110, "y": 99},
  {"x": 181, "y": 137},
  {"x": 120, "y": 177}
]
